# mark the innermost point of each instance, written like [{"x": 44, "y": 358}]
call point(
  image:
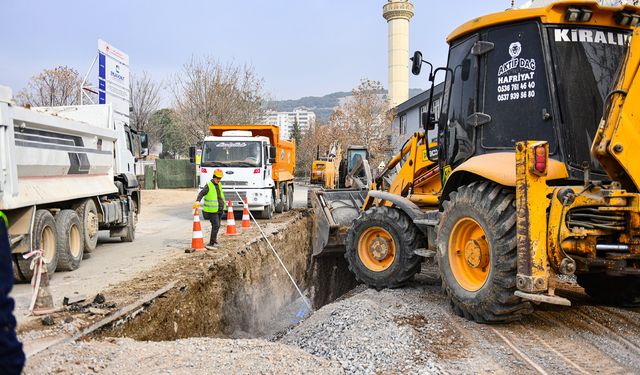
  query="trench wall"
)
[{"x": 235, "y": 293}]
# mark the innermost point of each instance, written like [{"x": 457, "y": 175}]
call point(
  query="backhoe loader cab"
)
[
  {"x": 532, "y": 75},
  {"x": 536, "y": 173}
]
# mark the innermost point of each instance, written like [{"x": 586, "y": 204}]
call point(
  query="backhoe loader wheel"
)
[
  {"x": 379, "y": 248},
  {"x": 612, "y": 290},
  {"x": 477, "y": 253}
]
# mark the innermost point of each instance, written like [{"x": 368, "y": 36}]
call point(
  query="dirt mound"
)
[{"x": 370, "y": 332}]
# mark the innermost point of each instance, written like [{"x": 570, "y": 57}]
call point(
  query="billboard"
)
[{"x": 113, "y": 78}]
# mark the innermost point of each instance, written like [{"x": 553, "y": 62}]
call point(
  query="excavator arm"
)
[
  {"x": 617, "y": 139},
  {"x": 418, "y": 178}
]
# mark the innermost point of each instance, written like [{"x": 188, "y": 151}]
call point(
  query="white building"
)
[{"x": 285, "y": 120}]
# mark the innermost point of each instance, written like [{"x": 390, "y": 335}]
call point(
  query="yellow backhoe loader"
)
[
  {"x": 535, "y": 173},
  {"x": 325, "y": 169}
]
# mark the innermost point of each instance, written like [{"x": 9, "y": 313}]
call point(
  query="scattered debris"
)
[
  {"x": 66, "y": 301},
  {"x": 47, "y": 320},
  {"x": 97, "y": 311},
  {"x": 99, "y": 299}
]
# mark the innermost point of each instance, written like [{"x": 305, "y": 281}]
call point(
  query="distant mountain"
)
[{"x": 322, "y": 106}]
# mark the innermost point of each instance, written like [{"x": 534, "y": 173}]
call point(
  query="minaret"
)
[{"x": 398, "y": 13}]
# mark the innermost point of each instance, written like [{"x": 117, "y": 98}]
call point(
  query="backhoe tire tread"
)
[
  {"x": 407, "y": 238},
  {"x": 493, "y": 207}
]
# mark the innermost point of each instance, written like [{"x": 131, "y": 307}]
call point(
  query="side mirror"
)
[
  {"x": 465, "y": 69},
  {"x": 417, "y": 63},
  {"x": 272, "y": 154},
  {"x": 192, "y": 154},
  {"x": 144, "y": 143},
  {"x": 428, "y": 120},
  {"x": 144, "y": 140}
]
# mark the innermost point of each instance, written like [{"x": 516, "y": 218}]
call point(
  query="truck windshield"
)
[
  {"x": 231, "y": 154},
  {"x": 586, "y": 62}
]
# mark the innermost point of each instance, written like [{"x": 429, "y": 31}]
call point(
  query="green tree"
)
[
  {"x": 296, "y": 134},
  {"x": 164, "y": 129}
]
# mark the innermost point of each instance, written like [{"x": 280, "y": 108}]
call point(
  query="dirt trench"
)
[{"x": 243, "y": 293}]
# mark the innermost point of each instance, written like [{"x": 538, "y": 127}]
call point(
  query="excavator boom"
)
[{"x": 617, "y": 140}]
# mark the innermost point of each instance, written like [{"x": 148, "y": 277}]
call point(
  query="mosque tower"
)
[{"x": 398, "y": 13}]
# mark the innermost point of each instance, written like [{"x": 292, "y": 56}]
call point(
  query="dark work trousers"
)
[
  {"x": 11, "y": 354},
  {"x": 215, "y": 220}
]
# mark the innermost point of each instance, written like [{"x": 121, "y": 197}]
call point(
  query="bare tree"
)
[
  {"x": 314, "y": 140},
  {"x": 145, "y": 100},
  {"x": 364, "y": 119},
  {"x": 207, "y": 92},
  {"x": 52, "y": 87}
]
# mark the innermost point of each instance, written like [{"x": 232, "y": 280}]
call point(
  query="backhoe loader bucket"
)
[{"x": 334, "y": 210}]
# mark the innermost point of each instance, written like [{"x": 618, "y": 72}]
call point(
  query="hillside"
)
[{"x": 322, "y": 106}]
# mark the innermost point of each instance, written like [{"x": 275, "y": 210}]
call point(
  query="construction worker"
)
[
  {"x": 214, "y": 205},
  {"x": 11, "y": 355}
]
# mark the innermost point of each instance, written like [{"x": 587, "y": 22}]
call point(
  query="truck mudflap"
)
[{"x": 334, "y": 211}]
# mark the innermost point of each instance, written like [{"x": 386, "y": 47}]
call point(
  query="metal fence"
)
[{"x": 170, "y": 174}]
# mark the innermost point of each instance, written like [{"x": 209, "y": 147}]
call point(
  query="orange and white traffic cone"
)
[
  {"x": 246, "y": 220},
  {"x": 231, "y": 222},
  {"x": 197, "y": 241}
]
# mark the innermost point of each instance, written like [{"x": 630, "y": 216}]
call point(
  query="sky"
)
[{"x": 299, "y": 47}]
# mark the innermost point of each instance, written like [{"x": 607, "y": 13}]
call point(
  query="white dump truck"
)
[
  {"x": 65, "y": 174},
  {"x": 257, "y": 165}
]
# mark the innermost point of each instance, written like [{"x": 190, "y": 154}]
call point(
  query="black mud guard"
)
[{"x": 130, "y": 180}]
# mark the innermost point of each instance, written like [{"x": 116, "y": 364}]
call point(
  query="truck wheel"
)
[
  {"x": 70, "y": 244},
  {"x": 89, "y": 224},
  {"x": 477, "y": 253},
  {"x": 280, "y": 204},
  {"x": 612, "y": 290},
  {"x": 131, "y": 224},
  {"x": 379, "y": 248},
  {"x": 287, "y": 200},
  {"x": 267, "y": 213},
  {"x": 290, "y": 197},
  {"x": 44, "y": 238}
]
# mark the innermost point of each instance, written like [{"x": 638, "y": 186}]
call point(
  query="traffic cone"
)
[
  {"x": 231, "y": 222},
  {"x": 42, "y": 300},
  {"x": 246, "y": 220},
  {"x": 197, "y": 241}
]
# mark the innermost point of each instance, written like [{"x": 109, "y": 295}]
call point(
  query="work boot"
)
[{"x": 212, "y": 246}]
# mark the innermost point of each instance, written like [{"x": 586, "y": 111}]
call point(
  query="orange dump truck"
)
[{"x": 257, "y": 164}]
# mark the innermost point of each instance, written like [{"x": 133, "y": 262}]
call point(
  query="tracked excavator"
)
[{"x": 535, "y": 173}]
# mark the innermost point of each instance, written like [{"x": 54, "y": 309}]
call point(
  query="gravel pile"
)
[
  {"x": 190, "y": 356},
  {"x": 371, "y": 332}
]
